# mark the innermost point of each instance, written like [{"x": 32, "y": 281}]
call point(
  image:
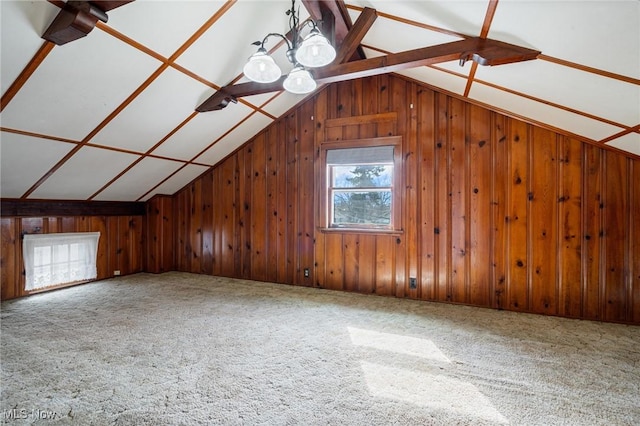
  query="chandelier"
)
[{"x": 311, "y": 52}]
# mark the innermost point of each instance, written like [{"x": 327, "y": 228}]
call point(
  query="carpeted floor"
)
[{"x": 190, "y": 349}]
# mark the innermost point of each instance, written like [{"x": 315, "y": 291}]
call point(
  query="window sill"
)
[
  {"x": 57, "y": 287},
  {"x": 361, "y": 231}
]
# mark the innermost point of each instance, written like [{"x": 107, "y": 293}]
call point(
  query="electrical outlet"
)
[
  {"x": 116, "y": 273},
  {"x": 306, "y": 272},
  {"x": 413, "y": 283}
]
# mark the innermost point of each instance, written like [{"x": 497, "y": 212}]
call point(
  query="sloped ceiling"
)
[{"x": 111, "y": 116}]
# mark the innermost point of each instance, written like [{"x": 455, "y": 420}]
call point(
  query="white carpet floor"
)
[{"x": 185, "y": 349}]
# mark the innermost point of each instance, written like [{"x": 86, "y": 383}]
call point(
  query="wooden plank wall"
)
[
  {"x": 496, "y": 212},
  {"x": 252, "y": 216},
  {"x": 158, "y": 231},
  {"x": 120, "y": 246}
]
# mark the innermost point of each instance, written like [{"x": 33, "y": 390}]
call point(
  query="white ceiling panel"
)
[
  {"x": 454, "y": 66},
  {"x": 84, "y": 174},
  {"x": 464, "y": 17},
  {"x": 220, "y": 54},
  {"x": 25, "y": 159},
  {"x": 77, "y": 86},
  {"x": 162, "y": 26},
  {"x": 259, "y": 100},
  {"x": 541, "y": 112},
  {"x": 603, "y": 34},
  {"x": 140, "y": 179},
  {"x": 201, "y": 131},
  {"x": 177, "y": 181},
  {"x": 432, "y": 76},
  {"x": 569, "y": 87},
  {"x": 283, "y": 103},
  {"x": 233, "y": 140},
  {"x": 630, "y": 143},
  {"x": 168, "y": 101},
  {"x": 393, "y": 36},
  {"x": 435, "y": 78},
  {"x": 22, "y": 24}
]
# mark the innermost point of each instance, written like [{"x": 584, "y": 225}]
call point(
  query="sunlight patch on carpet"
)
[
  {"x": 433, "y": 391},
  {"x": 397, "y": 343}
]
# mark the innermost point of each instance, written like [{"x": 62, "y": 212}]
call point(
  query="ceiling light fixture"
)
[{"x": 311, "y": 52}]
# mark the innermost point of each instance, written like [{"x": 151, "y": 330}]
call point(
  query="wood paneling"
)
[
  {"x": 517, "y": 219},
  {"x": 543, "y": 200},
  {"x": 9, "y": 269},
  {"x": 634, "y": 244},
  {"x": 159, "y": 231},
  {"x": 478, "y": 191},
  {"x": 570, "y": 223},
  {"x": 592, "y": 232},
  {"x": 616, "y": 227},
  {"x": 495, "y": 212},
  {"x": 498, "y": 223},
  {"x": 120, "y": 246}
]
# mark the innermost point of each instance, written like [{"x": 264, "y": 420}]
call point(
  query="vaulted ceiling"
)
[{"x": 111, "y": 116}]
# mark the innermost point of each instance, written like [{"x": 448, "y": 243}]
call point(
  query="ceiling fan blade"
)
[
  {"x": 482, "y": 51},
  {"x": 76, "y": 19}
]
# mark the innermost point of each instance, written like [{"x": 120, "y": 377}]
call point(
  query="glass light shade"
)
[
  {"x": 299, "y": 81},
  {"x": 261, "y": 68},
  {"x": 315, "y": 51}
]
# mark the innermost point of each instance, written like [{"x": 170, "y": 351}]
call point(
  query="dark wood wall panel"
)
[
  {"x": 498, "y": 223},
  {"x": 570, "y": 223},
  {"x": 634, "y": 241},
  {"x": 159, "y": 231},
  {"x": 120, "y": 247},
  {"x": 426, "y": 156},
  {"x": 592, "y": 232},
  {"x": 517, "y": 218},
  {"x": 543, "y": 201},
  {"x": 479, "y": 192},
  {"x": 441, "y": 190},
  {"x": 615, "y": 207},
  {"x": 495, "y": 212},
  {"x": 9, "y": 268}
]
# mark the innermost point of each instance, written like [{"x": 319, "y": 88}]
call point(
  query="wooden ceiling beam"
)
[
  {"x": 319, "y": 9},
  {"x": 26, "y": 73},
  {"x": 78, "y": 18},
  {"x": 351, "y": 42},
  {"x": 485, "y": 52},
  {"x": 482, "y": 51}
]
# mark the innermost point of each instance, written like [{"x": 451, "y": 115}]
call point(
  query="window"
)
[
  {"x": 361, "y": 177},
  {"x": 55, "y": 259}
]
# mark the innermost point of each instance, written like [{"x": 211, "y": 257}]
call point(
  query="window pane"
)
[
  {"x": 362, "y": 176},
  {"x": 53, "y": 259},
  {"x": 41, "y": 256},
  {"x": 60, "y": 253},
  {"x": 356, "y": 207},
  {"x": 74, "y": 251}
]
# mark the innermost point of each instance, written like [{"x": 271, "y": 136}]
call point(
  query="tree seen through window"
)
[{"x": 362, "y": 194}]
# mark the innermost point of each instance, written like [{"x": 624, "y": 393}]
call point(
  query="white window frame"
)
[
  {"x": 327, "y": 189},
  {"x": 56, "y": 259}
]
